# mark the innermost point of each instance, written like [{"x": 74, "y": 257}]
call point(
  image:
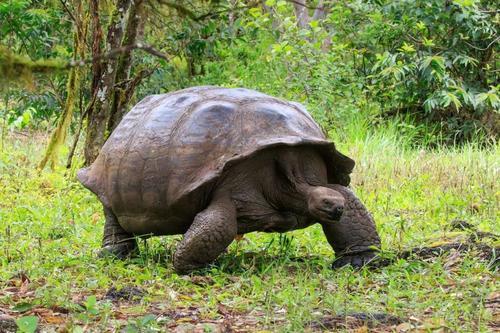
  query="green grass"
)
[{"x": 51, "y": 228}]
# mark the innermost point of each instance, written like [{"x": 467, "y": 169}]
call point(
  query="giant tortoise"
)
[{"x": 212, "y": 163}]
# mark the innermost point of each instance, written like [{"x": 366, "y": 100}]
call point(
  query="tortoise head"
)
[{"x": 325, "y": 204}]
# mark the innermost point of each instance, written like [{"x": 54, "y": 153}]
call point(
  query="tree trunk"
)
[
  {"x": 133, "y": 33},
  {"x": 99, "y": 115},
  {"x": 301, "y": 13},
  {"x": 303, "y": 18},
  {"x": 320, "y": 11},
  {"x": 97, "y": 41}
]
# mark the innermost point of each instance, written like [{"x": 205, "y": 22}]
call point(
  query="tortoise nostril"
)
[{"x": 336, "y": 213}]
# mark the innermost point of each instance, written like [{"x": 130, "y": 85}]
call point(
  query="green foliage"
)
[
  {"x": 23, "y": 120},
  {"x": 33, "y": 28},
  {"x": 33, "y": 42},
  {"x": 43, "y": 105},
  {"x": 436, "y": 59},
  {"x": 142, "y": 324},
  {"x": 380, "y": 59},
  {"x": 27, "y": 324},
  {"x": 17, "y": 68}
]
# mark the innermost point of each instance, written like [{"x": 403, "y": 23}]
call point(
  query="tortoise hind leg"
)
[
  {"x": 116, "y": 241},
  {"x": 209, "y": 235}
]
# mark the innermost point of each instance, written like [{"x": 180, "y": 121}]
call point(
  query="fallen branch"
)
[{"x": 485, "y": 252}]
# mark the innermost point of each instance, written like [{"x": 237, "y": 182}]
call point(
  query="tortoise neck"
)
[{"x": 285, "y": 196}]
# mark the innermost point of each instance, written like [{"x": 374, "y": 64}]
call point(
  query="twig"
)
[
  {"x": 493, "y": 11},
  {"x": 56, "y": 94},
  {"x": 222, "y": 11},
  {"x": 78, "y": 131},
  {"x": 142, "y": 74},
  {"x": 77, "y": 135},
  {"x": 146, "y": 48},
  {"x": 181, "y": 9},
  {"x": 63, "y": 3},
  {"x": 138, "y": 78},
  {"x": 481, "y": 49},
  {"x": 303, "y": 5},
  {"x": 21, "y": 133}
]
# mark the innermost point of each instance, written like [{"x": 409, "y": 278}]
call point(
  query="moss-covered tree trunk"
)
[
  {"x": 112, "y": 82},
  {"x": 98, "y": 114},
  {"x": 124, "y": 85},
  {"x": 72, "y": 87}
]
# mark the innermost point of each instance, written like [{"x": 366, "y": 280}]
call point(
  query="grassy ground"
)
[{"x": 51, "y": 227}]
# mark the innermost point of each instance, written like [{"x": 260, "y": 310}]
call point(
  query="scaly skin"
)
[
  {"x": 354, "y": 238},
  {"x": 210, "y": 234},
  {"x": 116, "y": 242}
]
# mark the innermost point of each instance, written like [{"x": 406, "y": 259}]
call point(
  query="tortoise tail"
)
[
  {"x": 88, "y": 180},
  {"x": 82, "y": 176},
  {"x": 87, "y": 176}
]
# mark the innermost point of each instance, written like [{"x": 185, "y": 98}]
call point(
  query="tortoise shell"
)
[{"x": 174, "y": 147}]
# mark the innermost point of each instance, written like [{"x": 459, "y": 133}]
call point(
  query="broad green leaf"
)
[
  {"x": 147, "y": 319},
  {"x": 464, "y": 3},
  {"x": 90, "y": 304},
  {"x": 490, "y": 97},
  {"x": 23, "y": 307},
  {"x": 27, "y": 324},
  {"x": 255, "y": 12}
]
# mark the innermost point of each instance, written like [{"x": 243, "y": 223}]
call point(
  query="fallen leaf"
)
[
  {"x": 22, "y": 307},
  {"x": 223, "y": 310},
  {"x": 404, "y": 327},
  {"x": 55, "y": 320},
  {"x": 184, "y": 320},
  {"x": 362, "y": 329},
  {"x": 96, "y": 217}
]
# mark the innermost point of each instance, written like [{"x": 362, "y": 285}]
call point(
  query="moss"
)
[
  {"x": 19, "y": 69},
  {"x": 72, "y": 87}
]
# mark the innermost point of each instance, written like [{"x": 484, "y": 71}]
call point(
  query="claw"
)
[
  {"x": 357, "y": 260},
  {"x": 119, "y": 251}
]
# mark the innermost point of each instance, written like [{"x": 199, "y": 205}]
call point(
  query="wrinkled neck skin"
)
[
  {"x": 297, "y": 172},
  {"x": 287, "y": 196}
]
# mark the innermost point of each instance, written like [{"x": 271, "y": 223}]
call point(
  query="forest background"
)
[{"x": 410, "y": 89}]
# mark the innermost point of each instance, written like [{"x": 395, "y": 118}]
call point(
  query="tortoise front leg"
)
[
  {"x": 212, "y": 231},
  {"x": 354, "y": 238},
  {"x": 116, "y": 241}
]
